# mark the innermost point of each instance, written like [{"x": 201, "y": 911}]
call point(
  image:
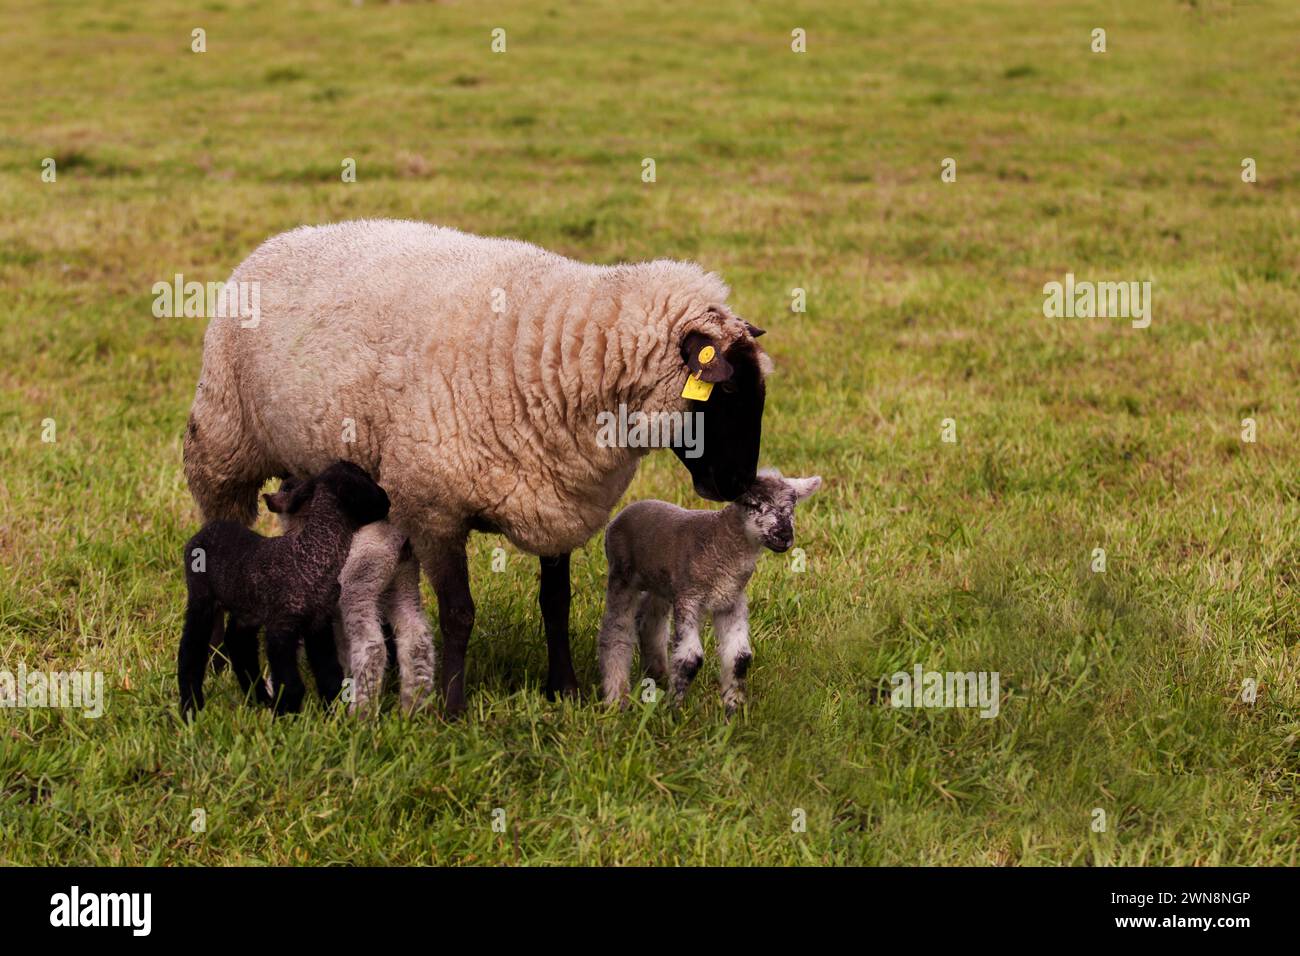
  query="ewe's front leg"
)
[
  {"x": 615, "y": 643},
  {"x": 734, "y": 653},
  {"x": 688, "y": 652},
  {"x": 554, "y": 596}
]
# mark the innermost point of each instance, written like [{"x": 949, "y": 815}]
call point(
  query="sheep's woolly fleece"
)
[{"x": 464, "y": 414}]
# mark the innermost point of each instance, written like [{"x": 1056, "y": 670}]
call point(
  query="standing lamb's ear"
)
[
  {"x": 804, "y": 487},
  {"x": 712, "y": 367},
  {"x": 755, "y": 331}
]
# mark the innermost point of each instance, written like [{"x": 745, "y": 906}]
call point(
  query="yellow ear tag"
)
[{"x": 694, "y": 388}]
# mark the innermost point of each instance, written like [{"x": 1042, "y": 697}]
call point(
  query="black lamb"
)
[{"x": 288, "y": 585}]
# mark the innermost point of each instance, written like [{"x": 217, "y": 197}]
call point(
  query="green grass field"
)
[{"x": 1121, "y": 691}]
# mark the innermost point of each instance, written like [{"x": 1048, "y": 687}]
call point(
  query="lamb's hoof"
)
[{"x": 567, "y": 689}]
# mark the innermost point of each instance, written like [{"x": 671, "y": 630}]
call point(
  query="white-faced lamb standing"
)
[
  {"x": 467, "y": 375},
  {"x": 380, "y": 581},
  {"x": 666, "y": 561}
]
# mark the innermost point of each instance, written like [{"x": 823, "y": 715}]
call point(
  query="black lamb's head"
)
[{"x": 356, "y": 493}]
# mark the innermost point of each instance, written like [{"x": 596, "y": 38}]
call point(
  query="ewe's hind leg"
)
[
  {"x": 734, "y": 653},
  {"x": 652, "y": 632},
  {"x": 224, "y": 464},
  {"x": 222, "y": 468},
  {"x": 688, "y": 652},
  {"x": 445, "y": 563},
  {"x": 412, "y": 635},
  {"x": 615, "y": 643}
]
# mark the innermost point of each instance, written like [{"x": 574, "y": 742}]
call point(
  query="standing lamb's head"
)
[
  {"x": 768, "y": 505},
  {"x": 721, "y": 349},
  {"x": 355, "y": 492}
]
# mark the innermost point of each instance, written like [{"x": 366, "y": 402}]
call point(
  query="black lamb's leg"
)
[
  {"x": 241, "y": 648},
  {"x": 282, "y": 655},
  {"x": 554, "y": 597},
  {"x": 202, "y": 616},
  {"x": 324, "y": 661}
]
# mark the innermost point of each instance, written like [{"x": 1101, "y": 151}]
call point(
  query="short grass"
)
[{"x": 1121, "y": 690}]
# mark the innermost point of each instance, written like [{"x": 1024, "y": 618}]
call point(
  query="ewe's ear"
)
[
  {"x": 361, "y": 499},
  {"x": 716, "y": 368},
  {"x": 804, "y": 487},
  {"x": 755, "y": 331}
]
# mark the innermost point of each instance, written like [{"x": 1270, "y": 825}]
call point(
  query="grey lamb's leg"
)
[
  {"x": 652, "y": 632},
  {"x": 734, "y": 653},
  {"x": 367, "y": 655},
  {"x": 688, "y": 652},
  {"x": 413, "y": 636},
  {"x": 615, "y": 643},
  {"x": 365, "y": 577}
]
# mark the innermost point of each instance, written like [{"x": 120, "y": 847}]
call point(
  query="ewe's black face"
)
[{"x": 732, "y": 417}]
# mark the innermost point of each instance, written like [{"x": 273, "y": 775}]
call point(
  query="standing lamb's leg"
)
[
  {"x": 448, "y": 569},
  {"x": 652, "y": 630},
  {"x": 241, "y": 647},
  {"x": 734, "y": 653},
  {"x": 414, "y": 640},
  {"x": 554, "y": 598},
  {"x": 286, "y": 682},
  {"x": 323, "y": 657},
  {"x": 688, "y": 652},
  {"x": 615, "y": 643}
]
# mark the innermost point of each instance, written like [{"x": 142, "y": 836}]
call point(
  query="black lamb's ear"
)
[
  {"x": 361, "y": 499},
  {"x": 696, "y": 348},
  {"x": 755, "y": 331},
  {"x": 293, "y": 494}
]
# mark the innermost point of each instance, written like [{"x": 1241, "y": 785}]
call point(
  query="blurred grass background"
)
[{"x": 779, "y": 170}]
